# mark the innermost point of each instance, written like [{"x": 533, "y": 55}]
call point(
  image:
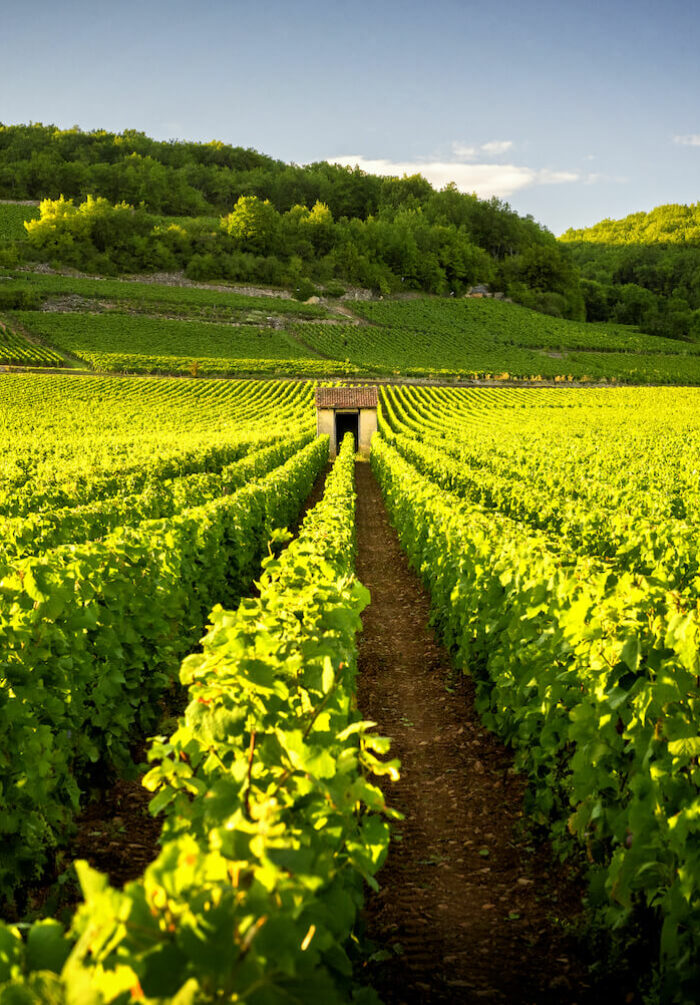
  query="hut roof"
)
[{"x": 346, "y": 397}]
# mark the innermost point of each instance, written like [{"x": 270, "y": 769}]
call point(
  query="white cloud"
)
[
  {"x": 464, "y": 152},
  {"x": 690, "y": 140},
  {"x": 546, "y": 177},
  {"x": 497, "y": 147},
  {"x": 494, "y": 148},
  {"x": 485, "y": 180}
]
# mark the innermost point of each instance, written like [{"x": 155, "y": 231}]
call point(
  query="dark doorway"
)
[{"x": 346, "y": 422}]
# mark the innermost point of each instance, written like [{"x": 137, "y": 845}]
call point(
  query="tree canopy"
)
[
  {"x": 279, "y": 222},
  {"x": 643, "y": 270}
]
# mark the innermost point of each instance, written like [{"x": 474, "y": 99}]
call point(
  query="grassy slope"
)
[{"x": 424, "y": 336}]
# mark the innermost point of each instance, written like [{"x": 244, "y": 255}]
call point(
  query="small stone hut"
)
[{"x": 341, "y": 410}]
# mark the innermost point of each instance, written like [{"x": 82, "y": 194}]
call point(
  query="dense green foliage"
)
[
  {"x": 643, "y": 270},
  {"x": 670, "y": 224},
  {"x": 109, "y": 618},
  {"x": 92, "y": 631},
  {"x": 272, "y": 817},
  {"x": 568, "y": 589},
  {"x": 12, "y": 218},
  {"x": 406, "y": 248},
  {"x": 280, "y": 224}
]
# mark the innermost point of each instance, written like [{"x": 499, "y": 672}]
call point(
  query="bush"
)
[
  {"x": 334, "y": 288},
  {"x": 202, "y": 267},
  {"x": 304, "y": 289},
  {"x": 21, "y": 300}
]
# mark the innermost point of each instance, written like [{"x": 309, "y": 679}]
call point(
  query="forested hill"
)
[
  {"x": 250, "y": 217},
  {"x": 643, "y": 270},
  {"x": 670, "y": 224}
]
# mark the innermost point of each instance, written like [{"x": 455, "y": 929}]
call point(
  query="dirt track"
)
[{"x": 468, "y": 907}]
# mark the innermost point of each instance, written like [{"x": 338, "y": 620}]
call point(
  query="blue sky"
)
[{"x": 570, "y": 112}]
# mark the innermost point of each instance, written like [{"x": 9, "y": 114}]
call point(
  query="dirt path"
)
[
  {"x": 470, "y": 903},
  {"x": 339, "y": 308}
]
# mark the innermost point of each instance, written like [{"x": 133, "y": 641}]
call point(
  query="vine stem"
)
[{"x": 251, "y": 751}]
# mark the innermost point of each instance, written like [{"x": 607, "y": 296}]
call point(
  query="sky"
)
[{"x": 570, "y": 112}]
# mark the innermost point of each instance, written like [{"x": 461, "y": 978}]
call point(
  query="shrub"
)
[
  {"x": 334, "y": 288},
  {"x": 304, "y": 289}
]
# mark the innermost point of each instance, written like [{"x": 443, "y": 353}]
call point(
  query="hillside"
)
[
  {"x": 113, "y": 325},
  {"x": 642, "y": 270},
  {"x": 222, "y": 212},
  {"x": 642, "y": 295},
  {"x": 669, "y": 224},
  {"x": 440, "y": 337}
]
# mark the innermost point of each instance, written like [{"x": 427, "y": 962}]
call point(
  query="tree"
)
[
  {"x": 634, "y": 305},
  {"x": 596, "y": 300},
  {"x": 318, "y": 226},
  {"x": 253, "y": 224}
]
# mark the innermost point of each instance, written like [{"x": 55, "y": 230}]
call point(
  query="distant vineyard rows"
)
[{"x": 137, "y": 327}]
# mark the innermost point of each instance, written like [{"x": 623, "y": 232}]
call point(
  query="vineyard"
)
[
  {"x": 114, "y": 325},
  {"x": 509, "y": 324},
  {"x": 145, "y": 297},
  {"x": 153, "y": 506},
  {"x": 185, "y": 513},
  {"x": 445, "y": 338},
  {"x": 18, "y": 350},
  {"x": 125, "y": 342},
  {"x": 556, "y": 532},
  {"x": 150, "y": 590},
  {"x": 349, "y": 512}
]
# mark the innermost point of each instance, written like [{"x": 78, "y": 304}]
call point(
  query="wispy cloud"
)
[
  {"x": 486, "y": 180},
  {"x": 467, "y": 152},
  {"x": 496, "y": 147},
  {"x": 689, "y": 140},
  {"x": 463, "y": 152}
]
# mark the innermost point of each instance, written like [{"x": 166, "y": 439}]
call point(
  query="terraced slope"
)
[
  {"x": 189, "y": 299},
  {"x": 16, "y": 349},
  {"x": 439, "y": 337},
  {"x": 139, "y": 327},
  {"x": 142, "y": 344}
]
